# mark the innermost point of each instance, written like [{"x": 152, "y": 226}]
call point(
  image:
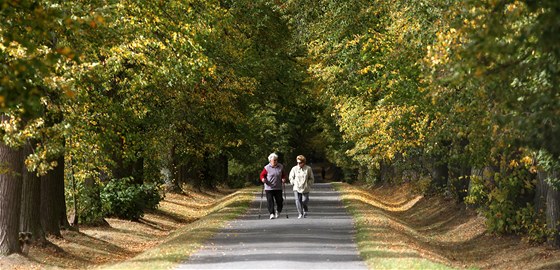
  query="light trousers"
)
[{"x": 301, "y": 201}]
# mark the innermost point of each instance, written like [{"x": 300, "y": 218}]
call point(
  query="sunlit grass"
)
[
  {"x": 385, "y": 242},
  {"x": 186, "y": 240}
]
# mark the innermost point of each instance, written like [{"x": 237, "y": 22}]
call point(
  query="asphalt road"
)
[{"x": 323, "y": 240}]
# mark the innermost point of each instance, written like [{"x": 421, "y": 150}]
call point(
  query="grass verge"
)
[
  {"x": 158, "y": 240},
  {"x": 184, "y": 241},
  {"x": 378, "y": 244},
  {"x": 397, "y": 229}
]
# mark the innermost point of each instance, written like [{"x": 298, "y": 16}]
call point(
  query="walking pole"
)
[
  {"x": 285, "y": 201},
  {"x": 260, "y": 205}
]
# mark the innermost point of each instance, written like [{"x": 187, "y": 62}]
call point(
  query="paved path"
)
[{"x": 323, "y": 240}]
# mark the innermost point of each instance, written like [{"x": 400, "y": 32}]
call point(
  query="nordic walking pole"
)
[
  {"x": 285, "y": 201},
  {"x": 260, "y": 205}
]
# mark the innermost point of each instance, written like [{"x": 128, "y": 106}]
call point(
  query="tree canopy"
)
[{"x": 389, "y": 91}]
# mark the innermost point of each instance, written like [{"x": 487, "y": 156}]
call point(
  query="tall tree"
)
[
  {"x": 11, "y": 164},
  {"x": 31, "y": 202},
  {"x": 53, "y": 205}
]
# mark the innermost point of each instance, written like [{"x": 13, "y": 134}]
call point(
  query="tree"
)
[
  {"x": 31, "y": 202},
  {"x": 10, "y": 197},
  {"x": 53, "y": 205}
]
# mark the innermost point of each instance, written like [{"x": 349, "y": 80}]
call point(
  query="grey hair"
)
[{"x": 272, "y": 156}]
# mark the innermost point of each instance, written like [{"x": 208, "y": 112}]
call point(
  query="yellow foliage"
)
[
  {"x": 513, "y": 164},
  {"x": 527, "y": 160}
]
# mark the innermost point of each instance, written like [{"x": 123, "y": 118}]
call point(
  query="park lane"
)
[{"x": 323, "y": 240}]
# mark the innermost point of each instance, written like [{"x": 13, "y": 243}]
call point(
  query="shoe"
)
[
  {"x": 275, "y": 214},
  {"x": 272, "y": 216},
  {"x": 300, "y": 215},
  {"x": 304, "y": 214}
]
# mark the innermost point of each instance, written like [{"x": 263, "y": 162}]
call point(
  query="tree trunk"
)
[
  {"x": 385, "y": 172},
  {"x": 440, "y": 168},
  {"x": 31, "y": 202},
  {"x": 541, "y": 190},
  {"x": 207, "y": 174},
  {"x": 215, "y": 170},
  {"x": 75, "y": 217},
  {"x": 60, "y": 195},
  {"x": 553, "y": 212},
  {"x": 94, "y": 205},
  {"x": 223, "y": 161},
  {"x": 138, "y": 171},
  {"x": 175, "y": 182},
  {"x": 459, "y": 181},
  {"x": 53, "y": 205},
  {"x": 440, "y": 175},
  {"x": 11, "y": 163}
]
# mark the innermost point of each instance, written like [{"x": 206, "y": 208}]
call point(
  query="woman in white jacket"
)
[{"x": 301, "y": 176}]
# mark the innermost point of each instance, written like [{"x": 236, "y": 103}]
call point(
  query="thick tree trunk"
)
[
  {"x": 553, "y": 212},
  {"x": 11, "y": 163},
  {"x": 460, "y": 180},
  {"x": 440, "y": 175},
  {"x": 31, "y": 202},
  {"x": 94, "y": 196},
  {"x": 53, "y": 205},
  {"x": 386, "y": 171},
  {"x": 174, "y": 184},
  {"x": 208, "y": 173},
  {"x": 223, "y": 161},
  {"x": 440, "y": 168},
  {"x": 60, "y": 195},
  {"x": 138, "y": 171},
  {"x": 541, "y": 190},
  {"x": 215, "y": 170}
]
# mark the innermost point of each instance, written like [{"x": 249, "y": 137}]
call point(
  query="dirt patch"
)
[
  {"x": 439, "y": 230},
  {"x": 121, "y": 240}
]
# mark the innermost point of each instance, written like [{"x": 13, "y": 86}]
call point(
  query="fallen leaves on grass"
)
[
  {"x": 398, "y": 229},
  {"x": 123, "y": 239}
]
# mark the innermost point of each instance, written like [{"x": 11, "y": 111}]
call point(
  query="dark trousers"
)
[{"x": 274, "y": 196}]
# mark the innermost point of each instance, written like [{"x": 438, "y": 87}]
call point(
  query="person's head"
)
[
  {"x": 300, "y": 160},
  {"x": 273, "y": 158}
]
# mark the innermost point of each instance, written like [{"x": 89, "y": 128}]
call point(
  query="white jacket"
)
[{"x": 301, "y": 178}]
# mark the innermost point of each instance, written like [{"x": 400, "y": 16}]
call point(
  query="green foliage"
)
[
  {"x": 478, "y": 192},
  {"x": 547, "y": 163},
  {"x": 128, "y": 88},
  {"x": 533, "y": 224},
  {"x": 505, "y": 199},
  {"x": 241, "y": 175},
  {"x": 90, "y": 208},
  {"x": 29, "y": 52},
  {"x": 505, "y": 213},
  {"x": 123, "y": 198}
]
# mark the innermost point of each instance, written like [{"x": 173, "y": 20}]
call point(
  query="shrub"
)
[
  {"x": 123, "y": 198},
  {"x": 533, "y": 224},
  {"x": 506, "y": 203}
]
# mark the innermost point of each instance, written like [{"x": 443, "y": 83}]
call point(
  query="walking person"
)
[
  {"x": 273, "y": 177},
  {"x": 301, "y": 176}
]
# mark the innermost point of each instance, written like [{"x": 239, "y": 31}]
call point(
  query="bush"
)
[
  {"x": 506, "y": 203},
  {"x": 124, "y": 199},
  {"x": 533, "y": 224}
]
